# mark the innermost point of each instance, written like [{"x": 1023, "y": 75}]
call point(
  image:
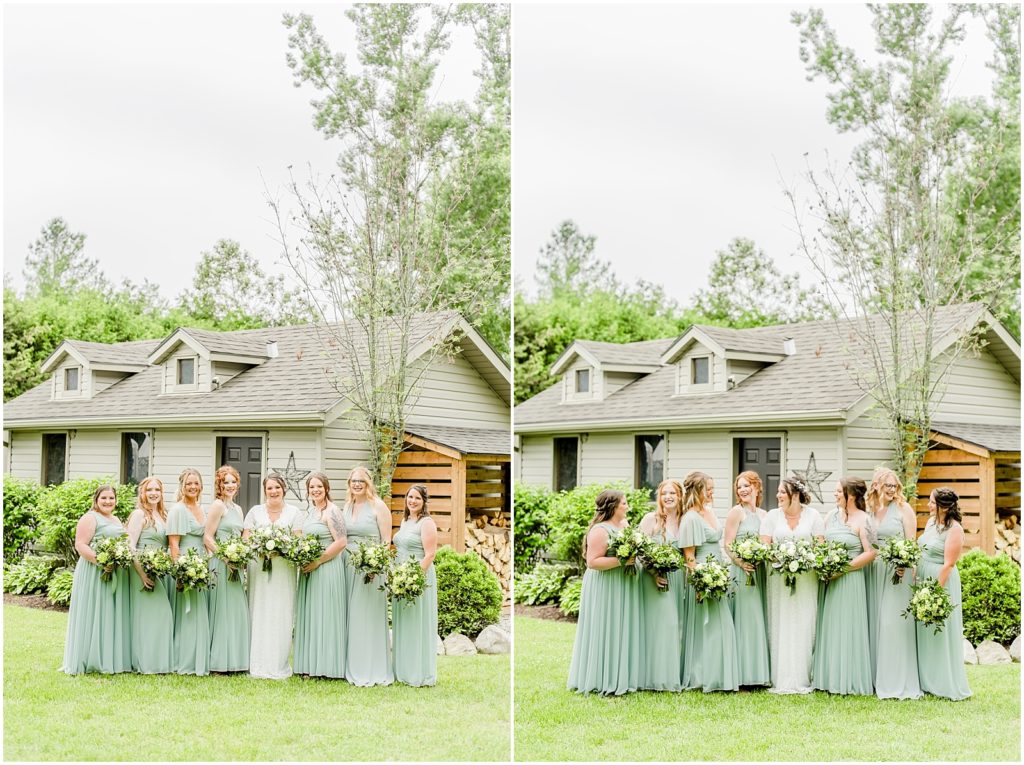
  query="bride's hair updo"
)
[
  {"x": 795, "y": 487},
  {"x": 948, "y": 502}
]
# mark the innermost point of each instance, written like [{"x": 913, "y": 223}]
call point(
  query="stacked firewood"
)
[
  {"x": 488, "y": 536},
  {"x": 1007, "y": 537}
]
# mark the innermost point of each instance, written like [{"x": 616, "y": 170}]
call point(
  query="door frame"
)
[
  {"x": 739, "y": 435},
  {"x": 218, "y": 446}
]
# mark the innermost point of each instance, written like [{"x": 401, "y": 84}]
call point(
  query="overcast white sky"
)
[
  {"x": 668, "y": 130},
  {"x": 147, "y": 127}
]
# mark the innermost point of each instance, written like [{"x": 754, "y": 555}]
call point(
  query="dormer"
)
[
  {"x": 591, "y": 371},
  {"x": 714, "y": 360},
  {"x": 198, "y": 361},
  {"x": 80, "y": 371}
]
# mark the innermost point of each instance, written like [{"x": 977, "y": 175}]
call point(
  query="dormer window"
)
[
  {"x": 71, "y": 379},
  {"x": 186, "y": 371},
  {"x": 583, "y": 381},
  {"x": 700, "y": 370}
]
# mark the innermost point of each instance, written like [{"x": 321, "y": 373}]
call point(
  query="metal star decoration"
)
[
  {"x": 812, "y": 477},
  {"x": 293, "y": 477}
]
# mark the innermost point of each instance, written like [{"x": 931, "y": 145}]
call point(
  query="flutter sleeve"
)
[
  {"x": 178, "y": 520},
  {"x": 692, "y": 531}
]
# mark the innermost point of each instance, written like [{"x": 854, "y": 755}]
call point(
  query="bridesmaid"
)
[
  {"x": 710, "y": 660},
  {"x": 321, "y": 612},
  {"x": 368, "y": 650},
  {"x": 940, "y": 657},
  {"x": 186, "y": 525},
  {"x": 415, "y": 623},
  {"x": 152, "y": 616},
  {"x": 229, "y": 608},
  {"x": 607, "y": 656},
  {"x": 662, "y": 622},
  {"x": 749, "y": 605},
  {"x": 99, "y": 621},
  {"x": 842, "y": 655},
  {"x": 894, "y": 638}
]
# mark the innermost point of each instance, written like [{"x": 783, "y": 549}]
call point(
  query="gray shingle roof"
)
[
  {"x": 134, "y": 352},
  {"x": 465, "y": 440},
  {"x": 754, "y": 340},
  {"x": 231, "y": 342},
  {"x": 643, "y": 352},
  {"x": 996, "y": 438}
]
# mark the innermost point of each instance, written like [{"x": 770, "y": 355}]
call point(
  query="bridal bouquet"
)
[
  {"x": 930, "y": 604},
  {"x": 710, "y": 579},
  {"x": 304, "y": 549},
  {"x": 628, "y": 544},
  {"x": 192, "y": 571},
  {"x": 269, "y": 541},
  {"x": 898, "y": 553},
  {"x": 660, "y": 558},
  {"x": 155, "y": 562},
  {"x": 790, "y": 557},
  {"x": 235, "y": 552},
  {"x": 406, "y": 580},
  {"x": 112, "y": 553},
  {"x": 371, "y": 559},
  {"x": 830, "y": 560},
  {"x": 751, "y": 549}
]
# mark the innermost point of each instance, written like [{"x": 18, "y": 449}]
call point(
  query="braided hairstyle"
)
[
  {"x": 695, "y": 487},
  {"x": 948, "y": 502}
]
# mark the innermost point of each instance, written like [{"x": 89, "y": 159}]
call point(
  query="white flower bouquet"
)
[
  {"x": 406, "y": 580},
  {"x": 192, "y": 571},
  {"x": 930, "y": 604},
  {"x": 898, "y": 553},
  {"x": 751, "y": 549},
  {"x": 371, "y": 559},
  {"x": 304, "y": 549},
  {"x": 830, "y": 559},
  {"x": 112, "y": 553},
  {"x": 155, "y": 562},
  {"x": 268, "y": 542},
  {"x": 235, "y": 552},
  {"x": 710, "y": 580},
  {"x": 790, "y": 557},
  {"x": 627, "y": 545},
  {"x": 660, "y": 558}
]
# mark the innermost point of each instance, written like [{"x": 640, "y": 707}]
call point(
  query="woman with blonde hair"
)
[
  {"x": 710, "y": 661},
  {"x": 368, "y": 650},
  {"x": 152, "y": 616},
  {"x": 186, "y": 526},
  {"x": 229, "y": 607},
  {"x": 663, "y": 625},
  {"x": 749, "y": 604},
  {"x": 415, "y": 623}
]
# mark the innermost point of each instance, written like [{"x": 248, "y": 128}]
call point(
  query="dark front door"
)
[
  {"x": 245, "y": 455},
  {"x": 764, "y": 457}
]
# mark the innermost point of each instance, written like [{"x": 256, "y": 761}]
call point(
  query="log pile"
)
[
  {"x": 1007, "y": 537},
  {"x": 488, "y": 536}
]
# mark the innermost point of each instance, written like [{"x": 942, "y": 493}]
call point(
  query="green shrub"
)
[
  {"x": 21, "y": 496},
  {"x": 569, "y": 600},
  {"x": 571, "y": 511},
  {"x": 991, "y": 597},
  {"x": 30, "y": 575},
  {"x": 468, "y": 594},
  {"x": 61, "y": 506},
  {"x": 543, "y": 584},
  {"x": 530, "y": 530},
  {"x": 58, "y": 591}
]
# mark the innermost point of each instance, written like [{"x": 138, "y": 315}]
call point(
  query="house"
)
[
  {"x": 261, "y": 400},
  {"x": 778, "y": 400}
]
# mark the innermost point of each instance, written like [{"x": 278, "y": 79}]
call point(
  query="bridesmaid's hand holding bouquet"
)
[
  {"x": 235, "y": 552},
  {"x": 930, "y": 604},
  {"x": 751, "y": 549},
  {"x": 371, "y": 559},
  {"x": 899, "y": 554},
  {"x": 154, "y": 562},
  {"x": 112, "y": 553},
  {"x": 268, "y": 542},
  {"x": 659, "y": 559},
  {"x": 627, "y": 545},
  {"x": 710, "y": 580}
]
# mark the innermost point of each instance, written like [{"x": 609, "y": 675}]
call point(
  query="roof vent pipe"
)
[
  {"x": 788, "y": 346},
  {"x": 271, "y": 349}
]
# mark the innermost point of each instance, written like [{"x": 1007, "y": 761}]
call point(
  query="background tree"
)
[
  {"x": 568, "y": 264},
  {"x": 56, "y": 263}
]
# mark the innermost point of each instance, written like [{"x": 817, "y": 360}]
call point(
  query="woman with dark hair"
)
[
  {"x": 152, "y": 617},
  {"x": 229, "y": 607},
  {"x": 186, "y": 526},
  {"x": 99, "y": 621},
  {"x": 662, "y": 625},
  {"x": 321, "y": 611},
  {"x": 940, "y": 659},
  {"x": 842, "y": 654},
  {"x": 792, "y": 615},
  {"x": 415, "y": 623},
  {"x": 271, "y": 593},
  {"x": 749, "y": 605},
  {"x": 607, "y": 656},
  {"x": 710, "y": 661}
]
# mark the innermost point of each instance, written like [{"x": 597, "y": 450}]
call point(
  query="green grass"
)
[
  {"x": 553, "y": 723},
  {"x": 51, "y": 716}
]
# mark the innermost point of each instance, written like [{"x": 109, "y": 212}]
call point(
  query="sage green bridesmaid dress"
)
[
  {"x": 750, "y": 615},
  {"x": 152, "y": 617},
  {"x": 710, "y": 658},
  {"x": 191, "y": 609},
  {"x": 662, "y": 654},
  {"x": 895, "y": 636},
  {"x": 229, "y": 605},
  {"x": 842, "y": 655},
  {"x": 608, "y": 653},
  {"x": 940, "y": 658},
  {"x": 367, "y": 647},
  {"x": 99, "y": 620},
  {"x": 321, "y": 610},
  {"x": 415, "y": 623}
]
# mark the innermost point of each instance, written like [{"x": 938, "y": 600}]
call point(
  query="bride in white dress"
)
[
  {"x": 791, "y": 617},
  {"x": 272, "y": 594}
]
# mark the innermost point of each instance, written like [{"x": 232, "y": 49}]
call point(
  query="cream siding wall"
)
[
  {"x": 453, "y": 393},
  {"x": 26, "y": 454},
  {"x": 202, "y": 371},
  {"x": 866, "y": 445},
  {"x": 175, "y": 450},
  {"x": 716, "y": 371},
  {"x": 606, "y": 457},
  {"x": 344, "y": 447},
  {"x": 978, "y": 389},
  {"x": 537, "y": 461},
  {"x": 84, "y": 381},
  {"x": 225, "y": 370},
  {"x": 827, "y": 448},
  {"x": 304, "y": 442},
  {"x": 103, "y": 380},
  {"x": 741, "y": 370},
  {"x": 613, "y": 381},
  {"x": 94, "y": 453},
  {"x": 707, "y": 450},
  {"x": 569, "y": 393}
]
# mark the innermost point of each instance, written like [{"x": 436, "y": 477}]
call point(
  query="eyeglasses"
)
[
  {"x": 891, "y": 485},
  {"x": 357, "y": 482}
]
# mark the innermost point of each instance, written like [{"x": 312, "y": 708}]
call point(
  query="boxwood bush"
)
[
  {"x": 468, "y": 594},
  {"x": 571, "y": 511},
  {"x": 21, "y": 497},
  {"x": 60, "y": 507},
  {"x": 991, "y": 597},
  {"x": 530, "y": 530}
]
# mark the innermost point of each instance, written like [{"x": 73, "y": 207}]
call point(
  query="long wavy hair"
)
[
  {"x": 140, "y": 502},
  {"x": 661, "y": 512},
  {"x": 420, "y": 489},
  {"x": 371, "y": 490},
  {"x": 948, "y": 502},
  {"x": 695, "y": 486},
  {"x": 875, "y": 498},
  {"x": 218, "y": 480},
  {"x": 604, "y": 510},
  {"x": 182, "y": 477},
  {"x": 755, "y": 483},
  {"x": 856, "y": 488}
]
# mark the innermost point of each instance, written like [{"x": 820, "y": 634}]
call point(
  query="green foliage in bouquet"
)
[
  {"x": 571, "y": 511},
  {"x": 21, "y": 498},
  {"x": 58, "y": 591},
  {"x": 990, "y": 586},
  {"x": 30, "y": 575},
  {"x": 543, "y": 584},
  {"x": 468, "y": 594},
  {"x": 929, "y": 604},
  {"x": 61, "y": 506}
]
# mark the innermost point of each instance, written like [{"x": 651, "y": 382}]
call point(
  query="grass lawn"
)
[
  {"x": 52, "y": 716},
  {"x": 553, "y": 723}
]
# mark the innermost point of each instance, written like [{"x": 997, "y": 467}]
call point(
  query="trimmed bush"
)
[
  {"x": 571, "y": 511},
  {"x": 530, "y": 530},
  {"x": 991, "y": 597},
  {"x": 61, "y": 506},
  {"x": 30, "y": 575},
  {"x": 569, "y": 600},
  {"x": 21, "y": 497},
  {"x": 468, "y": 594},
  {"x": 58, "y": 591},
  {"x": 543, "y": 584}
]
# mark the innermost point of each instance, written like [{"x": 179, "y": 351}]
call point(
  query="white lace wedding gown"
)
[
  {"x": 271, "y": 603},
  {"x": 791, "y": 618}
]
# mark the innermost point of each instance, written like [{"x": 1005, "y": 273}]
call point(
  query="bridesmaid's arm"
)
[
  {"x": 597, "y": 546},
  {"x": 84, "y": 532},
  {"x": 383, "y": 521},
  {"x": 951, "y": 552},
  {"x": 690, "y": 553},
  {"x": 134, "y": 529},
  {"x": 732, "y": 526},
  {"x": 428, "y": 533},
  {"x": 869, "y": 552},
  {"x": 212, "y": 524},
  {"x": 173, "y": 541},
  {"x": 336, "y": 525}
]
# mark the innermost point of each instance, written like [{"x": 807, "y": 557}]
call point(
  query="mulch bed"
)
[
  {"x": 32, "y": 601},
  {"x": 554, "y": 613}
]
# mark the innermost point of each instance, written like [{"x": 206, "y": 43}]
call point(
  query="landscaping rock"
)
[
  {"x": 457, "y": 644},
  {"x": 970, "y": 655},
  {"x": 440, "y": 646},
  {"x": 990, "y": 652},
  {"x": 1015, "y": 649},
  {"x": 493, "y": 639}
]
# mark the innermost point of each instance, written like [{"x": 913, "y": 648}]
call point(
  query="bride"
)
[{"x": 791, "y": 617}]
